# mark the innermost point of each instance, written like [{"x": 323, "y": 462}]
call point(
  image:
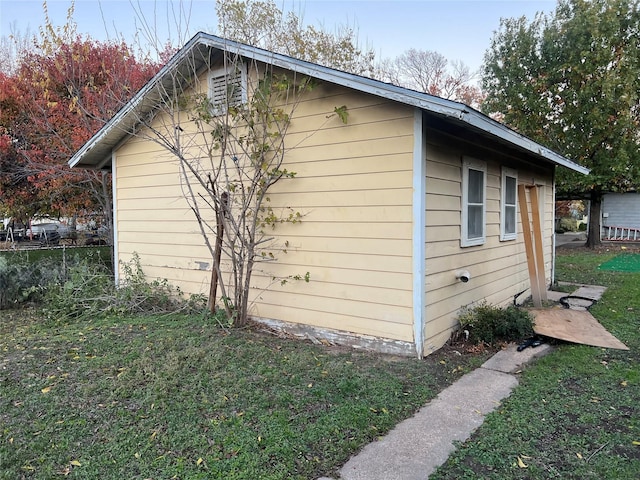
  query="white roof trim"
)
[{"x": 112, "y": 132}]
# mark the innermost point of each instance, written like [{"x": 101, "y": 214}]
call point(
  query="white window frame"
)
[
  {"x": 508, "y": 208},
  {"x": 480, "y": 166},
  {"x": 221, "y": 80}
]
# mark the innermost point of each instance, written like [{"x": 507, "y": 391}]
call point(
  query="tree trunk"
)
[
  {"x": 242, "y": 309},
  {"x": 217, "y": 252},
  {"x": 595, "y": 207},
  {"x": 217, "y": 255}
]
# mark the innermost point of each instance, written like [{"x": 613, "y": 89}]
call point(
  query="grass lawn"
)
[
  {"x": 56, "y": 254},
  {"x": 576, "y": 412},
  {"x": 179, "y": 397}
]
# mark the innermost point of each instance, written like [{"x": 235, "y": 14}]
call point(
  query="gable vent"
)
[{"x": 228, "y": 87}]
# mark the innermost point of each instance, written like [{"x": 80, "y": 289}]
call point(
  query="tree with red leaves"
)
[{"x": 57, "y": 96}]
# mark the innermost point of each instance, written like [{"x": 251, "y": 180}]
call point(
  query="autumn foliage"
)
[{"x": 57, "y": 97}]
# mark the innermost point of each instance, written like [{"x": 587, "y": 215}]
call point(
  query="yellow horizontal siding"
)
[
  {"x": 443, "y": 203},
  {"x": 357, "y": 246},
  {"x": 374, "y": 230},
  {"x": 438, "y": 186},
  {"x": 353, "y": 187},
  {"x": 353, "y": 320},
  {"x": 366, "y": 263},
  {"x": 385, "y": 296},
  {"x": 498, "y": 268},
  {"x": 360, "y": 198}
]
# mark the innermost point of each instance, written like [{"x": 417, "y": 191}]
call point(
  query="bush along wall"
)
[
  {"x": 485, "y": 323},
  {"x": 81, "y": 286}
]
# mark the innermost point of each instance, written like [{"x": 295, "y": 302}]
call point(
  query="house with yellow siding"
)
[{"x": 410, "y": 208}]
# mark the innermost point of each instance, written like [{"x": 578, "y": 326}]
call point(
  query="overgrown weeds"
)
[
  {"x": 80, "y": 287},
  {"x": 23, "y": 281},
  {"x": 89, "y": 292}
]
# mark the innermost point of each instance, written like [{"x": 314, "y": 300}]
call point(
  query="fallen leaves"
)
[{"x": 67, "y": 470}]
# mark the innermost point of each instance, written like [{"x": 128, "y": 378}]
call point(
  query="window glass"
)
[
  {"x": 474, "y": 179},
  {"x": 475, "y": 226},
  {"x": 508, "y": 207},
  {"x": 476, "y": 186}
]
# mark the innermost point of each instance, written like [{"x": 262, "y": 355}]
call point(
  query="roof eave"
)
[{"x": 114, "y": 131}]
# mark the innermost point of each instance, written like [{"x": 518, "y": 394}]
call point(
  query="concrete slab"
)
[
  {"x": 578, "y": 303},
  {"x": 510, "y": 360},
  {"x": 416, "y": 447},
  {"x": 593, "y": 292},
  {"x": 554, "y": 296}
]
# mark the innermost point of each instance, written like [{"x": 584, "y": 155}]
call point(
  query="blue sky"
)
[{"x": 458, "y": 29}]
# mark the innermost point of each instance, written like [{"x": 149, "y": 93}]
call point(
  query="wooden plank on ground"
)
[{"x": 576, "y": 326}]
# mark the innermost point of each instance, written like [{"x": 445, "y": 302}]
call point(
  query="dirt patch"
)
[{"x": 573, "y": 247}]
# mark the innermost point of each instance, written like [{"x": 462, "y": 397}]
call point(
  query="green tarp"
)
[{"x": 627, "y": 262}]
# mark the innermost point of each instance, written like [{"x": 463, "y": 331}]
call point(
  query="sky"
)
[{"x": 458, "y": 29}]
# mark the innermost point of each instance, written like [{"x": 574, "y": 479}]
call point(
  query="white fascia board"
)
[
  {"x": 128, "y": 110},
  {"x": 448, "y": 108},
  {"x": 499, "y": 130},
  {"x": 424, "y": 101}
]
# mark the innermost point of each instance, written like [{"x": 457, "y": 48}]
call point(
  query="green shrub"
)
[
  {"x": 582, "y": 227},
  {"x": 491, "y": 324},
  {"x": 568, "y": 224},
  {"x": 81, "y": 286},
  {"x": 22, "y": 281},
  {"x": 86, "y": 290}
]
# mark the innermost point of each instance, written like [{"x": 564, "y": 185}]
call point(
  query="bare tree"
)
[
  {"x": 229, "y": 138},
  {"x": 430, "y": 72},
  {"x": 12, "y": 47},
  {"x": 262, "y": 24}
]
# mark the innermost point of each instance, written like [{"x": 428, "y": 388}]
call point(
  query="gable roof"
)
[{"x": 96, "y": 153}]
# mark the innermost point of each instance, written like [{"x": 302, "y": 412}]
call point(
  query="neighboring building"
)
[
  {"x": 621, "y": 216},
  {"x": 412, "y": 190}
]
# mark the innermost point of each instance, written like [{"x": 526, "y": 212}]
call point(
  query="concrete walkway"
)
[
  {"x": 570, "y": 239},
  {"x": 416, "y": 447}
]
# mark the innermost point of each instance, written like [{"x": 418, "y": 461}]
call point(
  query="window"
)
[
  {"x": 228, "y": 87},
  {"x": 508, "y": 204},
  {"x": 474, "y": 186}
]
